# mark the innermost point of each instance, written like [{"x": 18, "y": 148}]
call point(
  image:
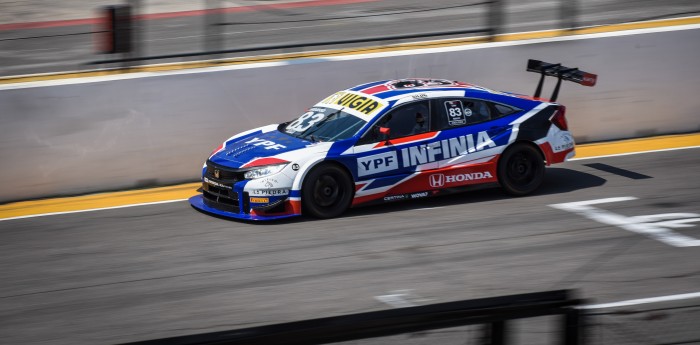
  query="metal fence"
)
[
  {"x": 490, "y": 23},
  {"x": 495, "y": 317}
]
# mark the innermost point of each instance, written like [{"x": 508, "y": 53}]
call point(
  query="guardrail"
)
[{"x": 494, "y": 313}]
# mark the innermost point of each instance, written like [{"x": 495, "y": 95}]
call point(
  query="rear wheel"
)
[
  {"x": 521, "y": 169},
  {"x": 327, "y": 191}
]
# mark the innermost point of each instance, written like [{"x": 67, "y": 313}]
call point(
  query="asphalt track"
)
[{"x": 163, "y": 270}]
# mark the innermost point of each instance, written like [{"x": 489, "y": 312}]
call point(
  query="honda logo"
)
[{"x": 437, "y": 180}]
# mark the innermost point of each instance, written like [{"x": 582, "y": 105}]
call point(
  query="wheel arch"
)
[
  {"x": 310, "y": 165},
  {"x": 529, "y": 143}
]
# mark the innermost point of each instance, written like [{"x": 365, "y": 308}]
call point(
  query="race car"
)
[{"x": 387, "y": 141}]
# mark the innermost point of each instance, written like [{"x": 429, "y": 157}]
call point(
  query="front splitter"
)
[{"x": 197, "y": 202}]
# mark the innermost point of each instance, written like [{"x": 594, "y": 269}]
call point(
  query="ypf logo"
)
[{"x": 437, "y": 180}]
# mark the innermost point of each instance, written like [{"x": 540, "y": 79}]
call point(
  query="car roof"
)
[
  {"x": 388, "y": 94},
  {"x": 385, "y": 89}
]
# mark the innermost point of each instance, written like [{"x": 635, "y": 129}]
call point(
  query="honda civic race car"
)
[{"x": 390, "y": 140}]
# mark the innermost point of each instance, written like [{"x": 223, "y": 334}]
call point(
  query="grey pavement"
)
[{"x": 165, "y": 270}]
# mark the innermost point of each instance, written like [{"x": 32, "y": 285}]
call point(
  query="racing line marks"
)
[
  {"x": 618, "y": 171},
  {"x": 655, "y": 226}
]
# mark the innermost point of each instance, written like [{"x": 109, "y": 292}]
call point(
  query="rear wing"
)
[{"x": 562, "y": 73}]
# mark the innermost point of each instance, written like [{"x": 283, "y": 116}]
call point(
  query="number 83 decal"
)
[{"x": 305, "y": 121}]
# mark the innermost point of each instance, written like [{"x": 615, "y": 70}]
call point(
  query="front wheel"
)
[
  {"x": 327, "y": 191},
  {"x": 521, "y": 169}
]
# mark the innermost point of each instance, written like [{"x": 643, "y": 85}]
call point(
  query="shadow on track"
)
[{"x": 556, "y": 181}]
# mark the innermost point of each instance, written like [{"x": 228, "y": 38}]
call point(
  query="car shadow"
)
[{"x": 556, "y": 181}]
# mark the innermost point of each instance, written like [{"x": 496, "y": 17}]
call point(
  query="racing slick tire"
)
[
  {"x": 521, "y": 169},
  {"x": 327, "y": 191}
]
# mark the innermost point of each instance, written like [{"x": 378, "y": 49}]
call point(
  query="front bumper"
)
[{"x": 200, "y": 203}]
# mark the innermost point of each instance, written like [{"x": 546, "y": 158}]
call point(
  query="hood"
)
[{"x": 259, "y": 149}]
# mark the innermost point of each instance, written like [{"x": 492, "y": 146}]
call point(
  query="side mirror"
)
[{"x": 385, "y": 131}]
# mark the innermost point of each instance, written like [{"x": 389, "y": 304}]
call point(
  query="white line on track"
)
[
  {"x": 403, "y": 299},
  {"x": 643, "y": 301},
  {"x": 93, "y": 209}
]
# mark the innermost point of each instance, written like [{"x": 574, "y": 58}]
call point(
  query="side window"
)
[
  {"x": 458, "y": 112},
  {"x": 406, "y": 120},
  {"x": 502, "y": 110}
]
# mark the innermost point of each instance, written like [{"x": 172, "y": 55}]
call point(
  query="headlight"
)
[{"x": 264, "y": 171}]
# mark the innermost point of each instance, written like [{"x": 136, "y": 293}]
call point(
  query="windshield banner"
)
[{"x": 358, "y": 104}]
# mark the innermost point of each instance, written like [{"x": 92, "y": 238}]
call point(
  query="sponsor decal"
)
[
  {"x": 362, "y": 103},
  {"x": 420, "y": 96},
  {"x": 377, "y": 163},
  {"x": 295, "y": 166},
  {"x": 439, "y": 180},
  {"x": 563, "y": 141},
  {"x": 269, "y": 145},
  {"x": 269, "y": 192},
  {"x": 395, "y": 197},
  {"x": 589, "y": 79},
  {"x": 217, "y": 184},
  {"x": 419, "y": 195},
  {"x": 259, "y": 200},
  {"x": 406, "y": 196},
  {"x": 270, "y": 182},
  {"x": 445, "y": 149},
  {"x": 425, "y": 153}
]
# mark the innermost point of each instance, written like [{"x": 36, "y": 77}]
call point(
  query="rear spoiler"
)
[{"x": 562, "y": 73}]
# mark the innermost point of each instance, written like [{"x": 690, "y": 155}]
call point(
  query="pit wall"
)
[{"x": 85, "y": 135}]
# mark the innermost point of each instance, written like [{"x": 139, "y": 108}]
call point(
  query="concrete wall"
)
[{"x": 158, "y": 129}]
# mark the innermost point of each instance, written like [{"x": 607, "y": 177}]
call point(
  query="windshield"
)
[{"x": 323, "y": 124}]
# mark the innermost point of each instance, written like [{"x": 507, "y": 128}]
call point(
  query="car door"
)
[{"x": 390, "y": 151}]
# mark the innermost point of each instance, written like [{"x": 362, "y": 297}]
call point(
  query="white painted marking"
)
[
  {"x": 401, "y": 299},
  {"x": 92, "y": 209},
  {"x": 642, "y": 301},
  {"x": 634, "y": 153},
  {"x": 418, "y": 51},
  {"x": 657, "y": 226},
  {"x": 395, "y": 300}
]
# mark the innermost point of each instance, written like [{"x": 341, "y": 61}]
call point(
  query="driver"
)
[{"x": 420, "y": 126}]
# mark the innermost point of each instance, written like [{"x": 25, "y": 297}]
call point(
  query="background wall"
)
[{"x": 86, "y": 137}]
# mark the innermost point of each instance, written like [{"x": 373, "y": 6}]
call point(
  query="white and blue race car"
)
[{"x": 387, "y": 141}]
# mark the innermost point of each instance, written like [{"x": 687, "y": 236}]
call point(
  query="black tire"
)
[
  {"x": 326, "y": 192},
  {"x": 521, "y": 169}
]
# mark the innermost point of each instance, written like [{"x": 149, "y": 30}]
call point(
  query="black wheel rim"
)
[
  {"x": 327, "y": 191},
  {"x": 522, "y": 169}
]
